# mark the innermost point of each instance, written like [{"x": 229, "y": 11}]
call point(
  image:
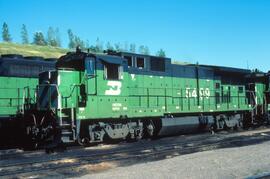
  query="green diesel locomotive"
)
[
  {"x": 18, "y": 81},
  {"x": 95, "y": 97}
]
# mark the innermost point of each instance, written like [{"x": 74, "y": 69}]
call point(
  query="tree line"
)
[{"x": 53, "y": 38}]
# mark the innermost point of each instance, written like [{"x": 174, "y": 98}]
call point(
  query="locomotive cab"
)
[
  {"x": 59, "y": 93},
  {"x": 74, "y": 72},
  {"x": 67, "y": 92}
]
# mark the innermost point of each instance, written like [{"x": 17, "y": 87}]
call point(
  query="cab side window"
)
[
  {"x": 112, "y": 71},
  {"x": 139, "y": 62},
  {"x": 129, "y": 60}
]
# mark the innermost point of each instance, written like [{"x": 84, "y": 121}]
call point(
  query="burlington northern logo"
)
[{"x": 114, "y": 88}]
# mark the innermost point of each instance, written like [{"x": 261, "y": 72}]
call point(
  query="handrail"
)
[
  {"x": 74, "y": 85},
  {"x": 212, "y": 92},
  {"x": 20, "y": 101}
]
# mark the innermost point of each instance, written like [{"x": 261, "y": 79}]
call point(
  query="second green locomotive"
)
[{"x": 18, "y": 81}]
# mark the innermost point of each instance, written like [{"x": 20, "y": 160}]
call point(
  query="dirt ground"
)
[
  {"x": 227, "y": 160},
  {"x": 241, "y": 162}
]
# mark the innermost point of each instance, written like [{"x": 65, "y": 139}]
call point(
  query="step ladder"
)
[{"x": 68, "y": 125}]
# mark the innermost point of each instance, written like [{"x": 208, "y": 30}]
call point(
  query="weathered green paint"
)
[
  {"x": 260, "y": 88},
  {"x": 144, "y": 95},
  {"x": 13, "y": 91}
]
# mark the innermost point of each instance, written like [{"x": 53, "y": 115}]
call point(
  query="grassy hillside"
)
[
  {"x": 43, "y": 51},
  {"x": 32, "y": 50}
]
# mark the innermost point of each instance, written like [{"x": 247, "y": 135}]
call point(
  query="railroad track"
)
[
  {"x": 14, "y": 153},
  {"x": 145, "y": 150}
]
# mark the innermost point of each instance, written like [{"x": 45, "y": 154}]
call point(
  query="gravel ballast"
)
[{"x": 226, "y": 163}]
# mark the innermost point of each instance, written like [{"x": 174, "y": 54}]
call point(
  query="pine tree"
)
[
  {"x": 144, "y": 50},
  {"x": 87, "y": 44},
  {"x": 109, "y": 46},
  {"x": 39, "y": 39},
  {"x": 71, "y": 37},
  {"x": 141, "y": 49},
  {"x": 99, "y": 46},
  {"x": 132, "y": 48},
  {"x": 92, "y": 48},
  {"x": 161, "y": 53},
  {"x": 126, "y": 47},
  {"x": 5, "y": 33},
  {"x": 24, "y": 35},
  {"x": 79, "y": 42},
  {"x": 75, "y": 41},
  {"x": 58, "y": 37},
  {"x": 117, "y": 47},
  {"x": 53, "y": 37},
  {"x": 51, "y": 40}
]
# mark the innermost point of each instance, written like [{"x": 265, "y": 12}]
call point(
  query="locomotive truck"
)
[{"x": 91, "y": 98}]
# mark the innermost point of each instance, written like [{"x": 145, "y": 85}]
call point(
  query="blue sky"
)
[{"x": 217, "y": 32}]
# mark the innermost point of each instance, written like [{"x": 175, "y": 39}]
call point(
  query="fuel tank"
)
[{"x": 179, "y": 125}]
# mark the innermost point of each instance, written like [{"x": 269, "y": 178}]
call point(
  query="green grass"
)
[{"x": 32, "y": 50}]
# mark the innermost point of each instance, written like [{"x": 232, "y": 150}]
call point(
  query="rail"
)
[{"x": 28, "y": 165}]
